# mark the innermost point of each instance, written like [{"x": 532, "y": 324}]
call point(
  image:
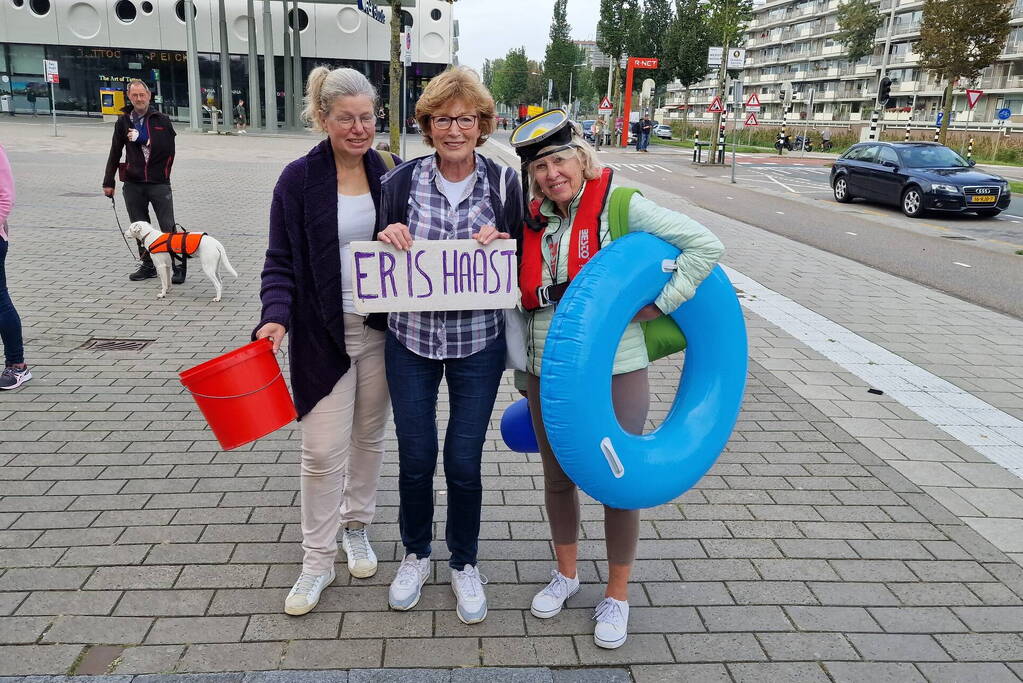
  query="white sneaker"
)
[
  {"x": 468, "y": 587},
  {"x": 407, "y": 587},
  {"x": 362, "y": 561},
  {"x": 548, "y": 602},
  {"x": 612, "y": 617},
  {"x": 306, "y": 592}
]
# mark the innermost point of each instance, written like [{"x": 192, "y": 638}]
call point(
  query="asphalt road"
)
[{"x": 966, "y": 257}]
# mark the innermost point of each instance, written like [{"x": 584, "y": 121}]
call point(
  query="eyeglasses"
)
[
  {"x": 444, "y": 122},
  {"x": 347, "y": 121}
]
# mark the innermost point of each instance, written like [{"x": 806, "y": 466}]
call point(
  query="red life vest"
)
[
  {"x": 585, "y": 240},
  {"x": 177, "y": 243}
]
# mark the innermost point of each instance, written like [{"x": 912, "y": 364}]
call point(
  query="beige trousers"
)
[{"x": 342, "y": 448}]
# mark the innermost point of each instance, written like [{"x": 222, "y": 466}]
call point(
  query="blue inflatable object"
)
[
  {"x": 517, "y": 428},
  {"x": 620, "y": 469}
]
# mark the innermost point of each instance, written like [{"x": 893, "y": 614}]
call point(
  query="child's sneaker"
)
[{"x": 12, "y": 377}]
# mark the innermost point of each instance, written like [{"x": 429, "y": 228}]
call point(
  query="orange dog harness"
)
[{"x": 181, "y": 243}]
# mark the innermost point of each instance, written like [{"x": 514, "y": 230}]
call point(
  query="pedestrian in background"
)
[
  {"x": 455, "y": 193},
  {"x": 597, "y": 132},
  {"x": 15, "y": 372},
  {"x": 30, "y": 95},
  {"x": 324, "y": 201},
  {"x": 241, "y": 118},
  {"x": 146, "y": 137}
]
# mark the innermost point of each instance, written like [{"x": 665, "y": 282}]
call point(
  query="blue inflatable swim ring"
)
[{"x": 615, "y": 467}]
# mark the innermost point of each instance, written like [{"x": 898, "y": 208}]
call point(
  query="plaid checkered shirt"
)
[{"x": 447, "y": 334}]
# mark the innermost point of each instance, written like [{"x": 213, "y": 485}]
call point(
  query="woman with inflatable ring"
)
[
  {"x": 322, "y": 202},
  {"x": 565, "y": 179},
  {"x": 454, "y": 193}
]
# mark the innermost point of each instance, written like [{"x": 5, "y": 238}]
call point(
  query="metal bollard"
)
[
  {"x": 937, "y": 133},
  {"x": 969, "y": 149},
  {"x": 696, "y": 147},
  {"x": 721, "y": 142}
]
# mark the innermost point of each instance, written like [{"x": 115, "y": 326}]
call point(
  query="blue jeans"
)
[
  {"x": 644, "y": 141},
  {"x": 414, "y": 382},
  {"x": 10, "y": 323}
]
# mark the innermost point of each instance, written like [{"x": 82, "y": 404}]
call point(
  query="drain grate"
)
[
  {"x": 959, "y": 237},
  {"x": 115, "y": 344}
]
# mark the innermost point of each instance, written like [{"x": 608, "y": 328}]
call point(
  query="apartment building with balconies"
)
[{"x": 795, "y": 42}]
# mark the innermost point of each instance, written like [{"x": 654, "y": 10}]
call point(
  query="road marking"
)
[
  {"x": 780, "y": 213},
  {"x": 993, "y": 433},
  {"x": 773, "y": 179},
  {"x": 964, "y": 265},
  {"x": 727, "y": 197},
  {"x": 851, "y": 233},
  {"x": 667, "y": 170}
]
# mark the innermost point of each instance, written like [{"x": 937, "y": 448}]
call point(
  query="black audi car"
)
[{"x": 917, "y": 177}]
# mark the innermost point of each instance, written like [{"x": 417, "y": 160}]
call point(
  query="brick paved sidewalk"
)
[{"x": 812, "y": 551}]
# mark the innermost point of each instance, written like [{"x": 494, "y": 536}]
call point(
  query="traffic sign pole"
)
[
  {"x": 736, "y": 99},
  {"x": 52, "y": 76}
]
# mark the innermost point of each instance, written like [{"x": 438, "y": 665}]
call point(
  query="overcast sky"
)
[{"x": 489, "y": 28}]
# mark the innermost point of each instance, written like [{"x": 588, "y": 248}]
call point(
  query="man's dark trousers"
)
[{"x": 138, "y": 197}]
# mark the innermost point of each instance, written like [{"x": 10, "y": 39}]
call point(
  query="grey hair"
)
[
  {"x": 326, "y": 85},
  {"x": 136, "y": 81}
]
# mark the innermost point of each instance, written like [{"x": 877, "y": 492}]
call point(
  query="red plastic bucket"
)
[{"x": 242, "y": 394}]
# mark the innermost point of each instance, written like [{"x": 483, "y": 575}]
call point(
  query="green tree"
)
[
  {"x": 858, "y": 21},
  {"x": 959, "y": 39},
  {"x": 652, "y": 39},
  {"x": 726, "y": 21},
  {"x": 562, "y": 54},
  {"x": 511, "y": 77},
  {"x": 488, "y": 74},
  {"x": 685, "y": 56}
]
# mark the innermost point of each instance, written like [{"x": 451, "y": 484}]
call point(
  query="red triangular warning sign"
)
[
  {"x": 715, "y": 106},
  {"x": 972, "y": 96},
  {"x": 751, "y": 120},
  {"x": 752, "y": 101},
  {"x": 605, "y": 103}
]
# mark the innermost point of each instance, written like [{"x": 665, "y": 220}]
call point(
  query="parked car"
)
[
  {"x": 588, "y": 129},
  {"x": 917, "y": 177},
  {"x": 662, "y": 131}
]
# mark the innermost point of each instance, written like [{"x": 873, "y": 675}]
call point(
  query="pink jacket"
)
[{"x": 6, "y": 192}]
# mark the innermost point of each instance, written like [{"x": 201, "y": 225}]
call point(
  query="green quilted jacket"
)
[{"x": 701, "y": 251}]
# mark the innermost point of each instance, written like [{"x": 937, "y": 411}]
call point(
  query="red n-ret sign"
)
[{"x": 644, "y": 62}]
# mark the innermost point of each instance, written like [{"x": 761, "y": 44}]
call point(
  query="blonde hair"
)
[
  {"x": 582, "y": 151},
  {"x": 457, "y": 83},
  {"x": 326, "y": 85}
]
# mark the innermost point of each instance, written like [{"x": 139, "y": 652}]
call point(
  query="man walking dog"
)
[{"x": 147, "y": 138}]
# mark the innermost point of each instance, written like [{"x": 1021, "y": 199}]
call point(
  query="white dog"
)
[{"x": 210, "y": 253}]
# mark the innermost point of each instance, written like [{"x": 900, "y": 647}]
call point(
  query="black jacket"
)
[
  {"x": 137, "y": 169},
  {"x": 301, "y": 281}
]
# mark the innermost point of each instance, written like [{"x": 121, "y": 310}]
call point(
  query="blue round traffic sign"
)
[{"x": 1004, "y": 114}]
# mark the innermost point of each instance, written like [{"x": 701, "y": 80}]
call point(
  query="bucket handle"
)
[{"x": 279, "y": 374}]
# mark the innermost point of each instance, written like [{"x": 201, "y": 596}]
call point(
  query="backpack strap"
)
[
  {"x": 386, "y": 158},
  {"x": 618, "y": 210}
]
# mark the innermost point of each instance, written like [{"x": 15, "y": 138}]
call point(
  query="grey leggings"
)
[{"x": 630, "y": 393}]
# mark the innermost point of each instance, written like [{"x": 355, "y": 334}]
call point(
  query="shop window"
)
[
  {"x": 39, "y": 7},
  {"x": 147, "y": 7},
  {"x": 303, "y": 19},
  {"x": 125, "y": 11},
  {"x": 27, "y": 59},
  {"x": 179, "y": 10},
  {"x": 435, "y": 14}
]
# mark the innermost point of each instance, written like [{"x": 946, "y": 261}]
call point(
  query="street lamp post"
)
[{"x": 571, "y": 75}]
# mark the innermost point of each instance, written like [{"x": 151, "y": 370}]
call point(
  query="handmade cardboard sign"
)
[{"x": 434, "y": 275}]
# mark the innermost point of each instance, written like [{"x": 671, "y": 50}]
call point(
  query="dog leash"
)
[{"x": 113, "y": 205}]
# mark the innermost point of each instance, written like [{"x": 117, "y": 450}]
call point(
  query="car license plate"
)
[{"x": 982, "y": 199}]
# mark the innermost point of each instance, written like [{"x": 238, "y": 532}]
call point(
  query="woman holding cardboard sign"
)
[
  {"x": 569, "y": 222},
  {"x": 452, "y": 194},
  {"x": 322, "y": 202}
]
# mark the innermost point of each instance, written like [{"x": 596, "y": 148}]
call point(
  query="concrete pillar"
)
[
  {"x": 298, "y": 83},
  {"x": 226, "y": 95},
  {"x": 269, "y": 73},
  {"x": 192, "y": 69},
  {"x": 253, "y": 99}
]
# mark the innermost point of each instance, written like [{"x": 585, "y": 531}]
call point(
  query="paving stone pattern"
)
[{"x": 130, "y": 543}]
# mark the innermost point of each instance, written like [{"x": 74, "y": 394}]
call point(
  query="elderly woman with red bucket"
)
[{"x": 323, "y": 202}]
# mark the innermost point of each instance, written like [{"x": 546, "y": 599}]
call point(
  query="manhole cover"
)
[
  {"x": 959, "y": 237},
  {"x": 80, "y": 194},
  {"x": 115, "y": 344}
]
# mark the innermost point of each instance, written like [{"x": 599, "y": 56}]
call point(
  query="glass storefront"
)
[{"x": 85, "y": 70}]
